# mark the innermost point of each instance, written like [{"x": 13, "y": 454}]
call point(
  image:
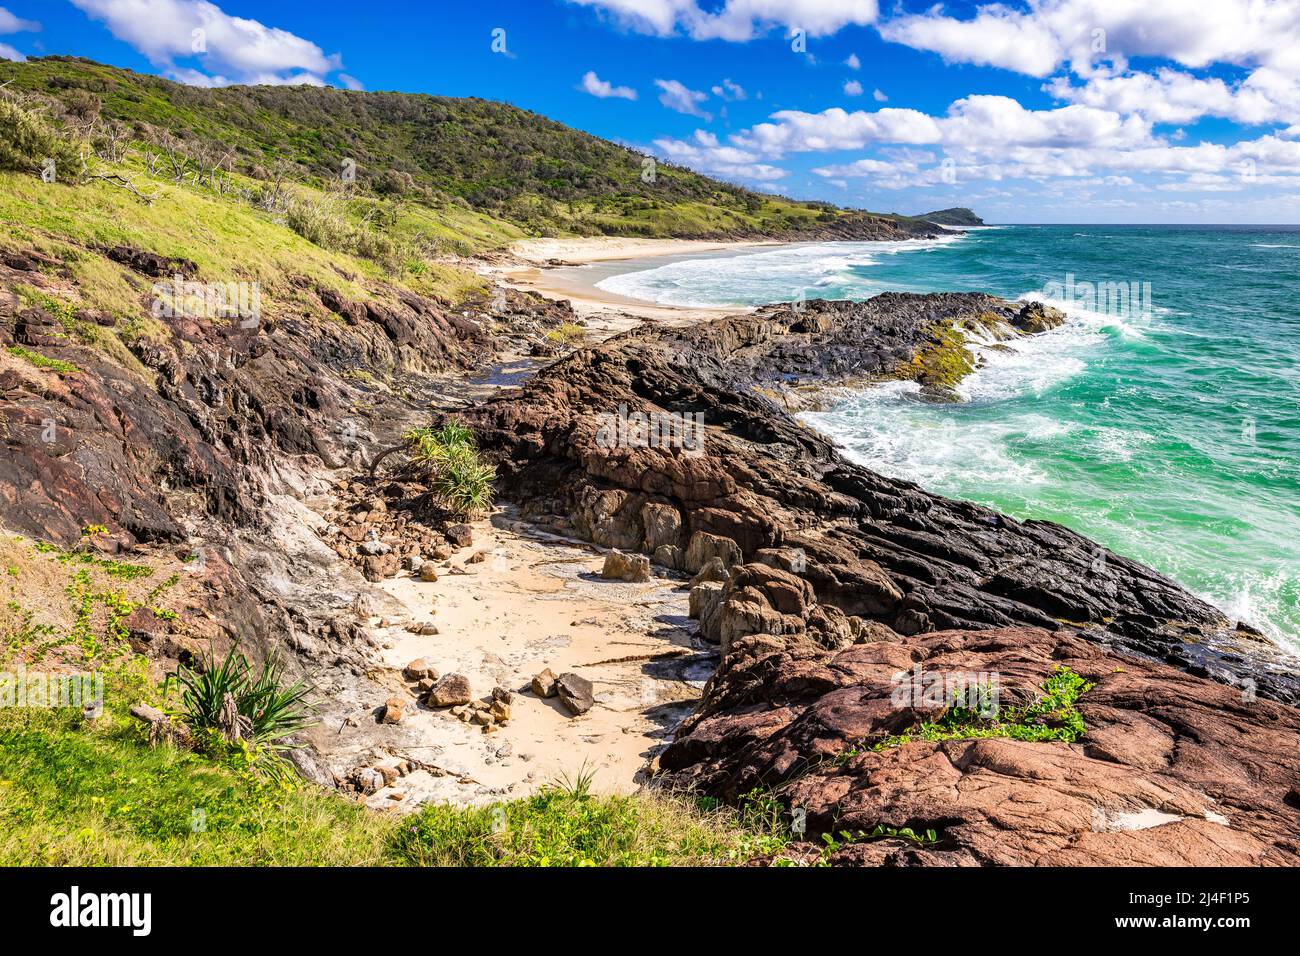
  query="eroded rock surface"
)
[
  {"x": 1173, "y": 769},
  {"x": 872, "y": 547}
]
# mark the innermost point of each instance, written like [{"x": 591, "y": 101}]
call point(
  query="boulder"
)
[
  {"x": 543, "y": 684},
  {"x": 713, "y": 570},
  {"x": 704, "y": 547},
  {"x": 419, "y": 669},
  {"x": 703, "y": 599},
  {"x": 575, "y": 692},
  {"x": 663, "y": 526},
  {"x": 460, "y": 535},
  {"x": 669, "y": 556},
  {"x": 626, "y": 567},
  {"x": 449, "y": 691}
]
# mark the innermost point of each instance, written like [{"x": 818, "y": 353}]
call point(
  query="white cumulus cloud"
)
[
  {"x": 12, "y": 24},
  {"x": 593, "y": 84},
  {"x": 736, "y": 20},
  {"x": 229, "y": 49},
  {"x": 677, "y": 96}
]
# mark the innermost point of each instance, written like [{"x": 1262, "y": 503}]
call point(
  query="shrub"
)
[
  {"x": 457, "y": 475},
  {"x": 27, "y": 139},
  {"x": 273, "y": 708},
  {"x": 567, "y": 333}
]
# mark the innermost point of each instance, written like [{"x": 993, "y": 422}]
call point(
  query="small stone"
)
[
  {"x": 425, "y": 685},
  {"x": 451, "y": 690},
  {"x": 423, "y": 628},
  {"x": 374, "y": 547},
  {"x": 389, "y": 774},
  {"x": 478, "y": 557},
  {"x": 428, "y": 572},
  {"x": 460, "y": 535},
  {"x": 543, "y": 684},
  {"x": 503, "y": 695},
  {"x": 393, "y": 710},
  {"x": 368, "y": 780},
  {"x": 420, "y": 668},
  {"x": 481, "y": 717},
  {"x": 500, "y": 710}
]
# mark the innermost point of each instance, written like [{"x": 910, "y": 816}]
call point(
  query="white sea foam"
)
[{"x": 754, "y": 278}]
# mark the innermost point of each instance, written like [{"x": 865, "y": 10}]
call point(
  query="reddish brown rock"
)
[
  {"x": 450, "y": 691},
  {"x": 877, "y": 549},
  {"x": 1173, "y": 769}
]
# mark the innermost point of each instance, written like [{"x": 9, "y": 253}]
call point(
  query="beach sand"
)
[
  {"x": 570, "y": 268},
  {"x": 535, "y": 601}
]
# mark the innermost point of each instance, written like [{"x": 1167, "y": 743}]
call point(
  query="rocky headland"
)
[{"x": 813, "y": 581}]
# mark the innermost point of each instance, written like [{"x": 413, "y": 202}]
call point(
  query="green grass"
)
[
  {"x": 73, "y": 794},
  {"x": 567, "y": 333},
  {"x": 92, "y": 797},
  {"x": 559, "y": 827},
  {"x": 42, "y": 361},
  {"x": 1052, "y": 717}
]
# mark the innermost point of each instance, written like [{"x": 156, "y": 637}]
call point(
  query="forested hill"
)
[{"x": 493, "y": 158}]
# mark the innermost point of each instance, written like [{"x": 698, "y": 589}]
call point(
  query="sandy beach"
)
[
  {"x": 515, "y": 603},
  {"x": 570, "y": 268}
]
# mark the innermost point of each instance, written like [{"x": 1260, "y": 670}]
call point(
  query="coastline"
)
[{"x": 568, "y": 270}]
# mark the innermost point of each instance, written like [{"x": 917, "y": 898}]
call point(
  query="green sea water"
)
[{"x": 1166, "y": 428}]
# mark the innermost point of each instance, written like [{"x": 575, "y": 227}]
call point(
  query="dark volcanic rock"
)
[{"x": 873, "y": 547}]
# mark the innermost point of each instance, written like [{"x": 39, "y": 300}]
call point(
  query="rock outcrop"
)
[
  {"x": 604, "y": 437},
  {"x": 1173, "y": 769}
]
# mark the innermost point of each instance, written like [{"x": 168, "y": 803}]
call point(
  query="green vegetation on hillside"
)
[
  {"x": 78, "y": 791},
  {"x": 468, "y": 171}
]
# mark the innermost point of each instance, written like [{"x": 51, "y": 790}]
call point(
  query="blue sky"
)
[{"x": 1033, "y": 111}]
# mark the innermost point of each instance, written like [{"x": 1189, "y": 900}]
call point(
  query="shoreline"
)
[{"x": 568, "y": 270}]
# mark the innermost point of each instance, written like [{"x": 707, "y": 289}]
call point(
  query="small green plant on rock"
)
[
  {"x": 1053, "y": 717},
  {"x": 43, "y": 362},
  {"x": 456, "y": 473},
  {"x": 567, "y": 333}
]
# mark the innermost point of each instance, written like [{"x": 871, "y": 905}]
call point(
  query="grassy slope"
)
[
  {"x": 480, "y": 169},
  {"x": 79, "y": 793}
]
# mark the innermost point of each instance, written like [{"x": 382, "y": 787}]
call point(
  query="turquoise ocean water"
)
[{"x": 1165, "y": 426}]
